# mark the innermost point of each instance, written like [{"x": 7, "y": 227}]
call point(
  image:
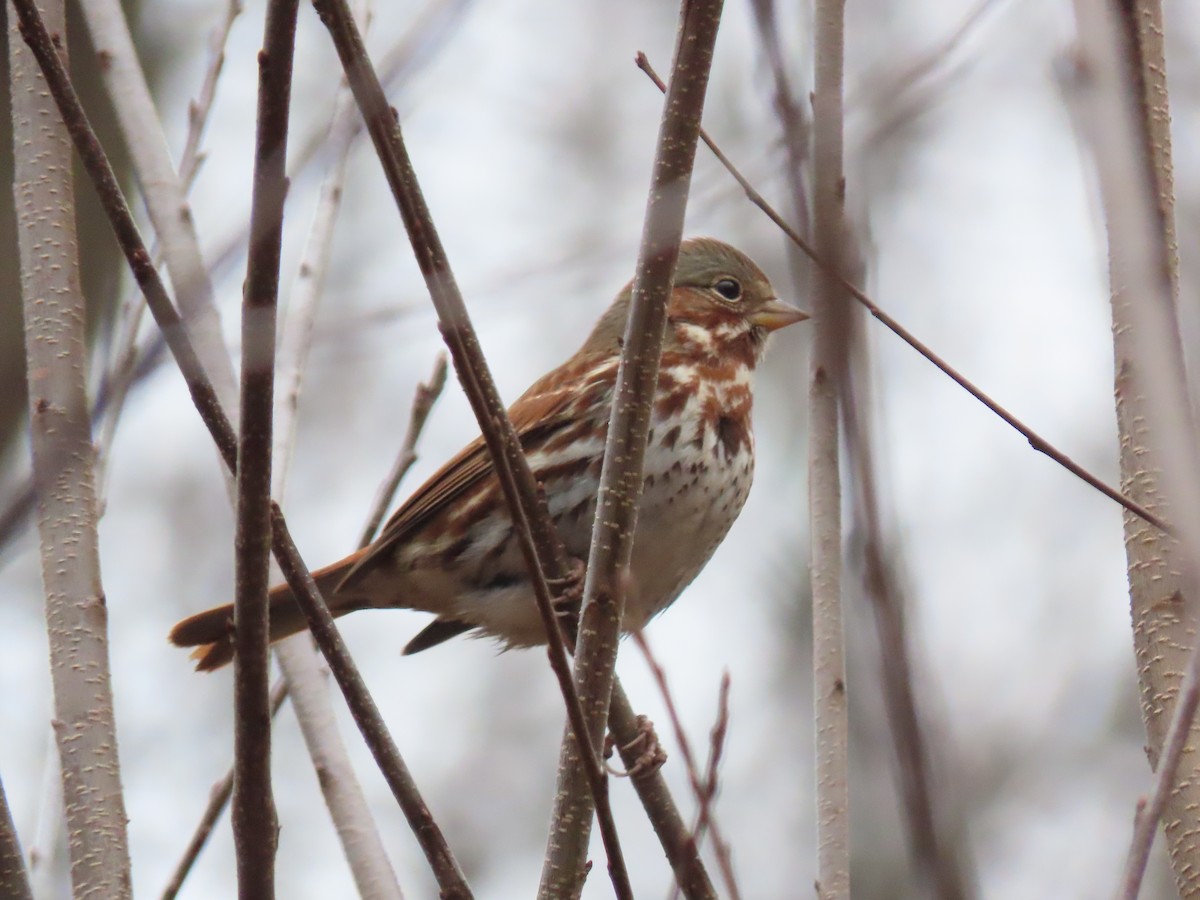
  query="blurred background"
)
[{"x": 533, "y": 132}]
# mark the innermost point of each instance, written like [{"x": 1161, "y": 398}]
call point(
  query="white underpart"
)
[{"x": 682, "y": 518}]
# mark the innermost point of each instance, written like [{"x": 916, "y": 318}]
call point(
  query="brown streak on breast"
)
[{"x": 732, "y": 433}]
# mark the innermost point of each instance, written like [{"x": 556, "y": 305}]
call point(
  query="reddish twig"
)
[
  {"x": 218, "y": 799},
  {"x": 1035, "y": 440},
  {"x": 704, "y": 787}
]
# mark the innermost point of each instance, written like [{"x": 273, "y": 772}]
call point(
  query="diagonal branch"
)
[
  {"x": 540, "y": 546},
  {"x": 1039, "y": 443},
  {"x": 424, "y": 399}
]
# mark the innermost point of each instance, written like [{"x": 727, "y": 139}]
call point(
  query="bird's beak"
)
[{"x": 775, "y": 314}]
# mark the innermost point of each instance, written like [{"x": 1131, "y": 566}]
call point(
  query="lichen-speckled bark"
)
[{"x": 60, "y": 432}]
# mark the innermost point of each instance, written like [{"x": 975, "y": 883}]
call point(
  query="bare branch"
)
[
  {"x": 624, "y": 452},
  {"x": 1036, "y": 441},
  {"x": 1122, "y": 75},
  {"x": 704, "y": 787},
  {"x": 255, "y": 826},
  {"x": 218, "y": 799},
  {"x": 830, "y": 328},
  {"x": 163, "y": 190},
  {"x": 63, "y": 475}
]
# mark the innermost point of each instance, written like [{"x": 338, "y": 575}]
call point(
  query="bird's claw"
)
[{"x": 650, "y": 754}]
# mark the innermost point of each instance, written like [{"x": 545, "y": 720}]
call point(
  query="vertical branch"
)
[
  {"x": 1122, "y": 76},
  {"x": 164, "y": 192},
  {"x": 621, "y": 475},
  {"x": 942, "y": 866},
  {"x": 14, "y": 880},
  {"x": 825, "y": 497},
  {"x": 254, "y": 822},
  {"x": 60, "y": 433}
]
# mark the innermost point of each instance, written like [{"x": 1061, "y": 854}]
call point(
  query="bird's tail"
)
[{"x": 211, "y": 632}]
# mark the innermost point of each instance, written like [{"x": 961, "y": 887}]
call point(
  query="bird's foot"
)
[{"x": 650, "y": 755}]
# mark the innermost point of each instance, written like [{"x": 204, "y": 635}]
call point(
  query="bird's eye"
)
[{"x": 729, "y": 288}]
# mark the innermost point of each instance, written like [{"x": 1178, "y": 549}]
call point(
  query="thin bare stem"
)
[
  {"x": 427, "y": 393},
  {"x": 1035, "y": 440},
  {"x": 163, "y": 190},
  {"x": 199, "y": 109},
  {"x": 939, "y": 862},
  {"x": 824, "y": 479},
  {"x": 255, "y": 827},
  {"x": 218, "y": 799},
  {"x": 620, "y": 489},
  {"x": 703, "y": 787},
  {"x": 308, "y": 597},
  {"x": 14, "y": 880},
  {"x": 63, "y": 474}
]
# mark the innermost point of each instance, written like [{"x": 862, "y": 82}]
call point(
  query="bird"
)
[{"x": 451, "y": 548}]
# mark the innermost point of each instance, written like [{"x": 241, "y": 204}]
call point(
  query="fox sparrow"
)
[{"x": 451, "y": 551}]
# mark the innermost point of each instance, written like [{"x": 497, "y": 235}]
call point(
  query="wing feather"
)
[{"x": 541, "y": 412}]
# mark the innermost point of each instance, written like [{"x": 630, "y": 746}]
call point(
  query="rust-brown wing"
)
[{"x": 538, "y": 414}]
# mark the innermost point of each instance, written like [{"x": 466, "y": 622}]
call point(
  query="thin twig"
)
[
  {"x": 162, "y": 189},
  {"x": 199, "y": 109},
  {"x": 308, "y": 597},
  {"x": 255, "y": 826},
  {"x": 703, "y": 787},
  {"x": 939, "y": 862},
  {"x": 621, "y": 483},
  {"x": 425, "y": 395},
  {"x": 1035, "y": 440},
  {"x": 539, "y": 543},
  {"x": 423, "y": 400},
  {"x": 218, "y": 799},
  {"x": 828, "y": 363}
]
